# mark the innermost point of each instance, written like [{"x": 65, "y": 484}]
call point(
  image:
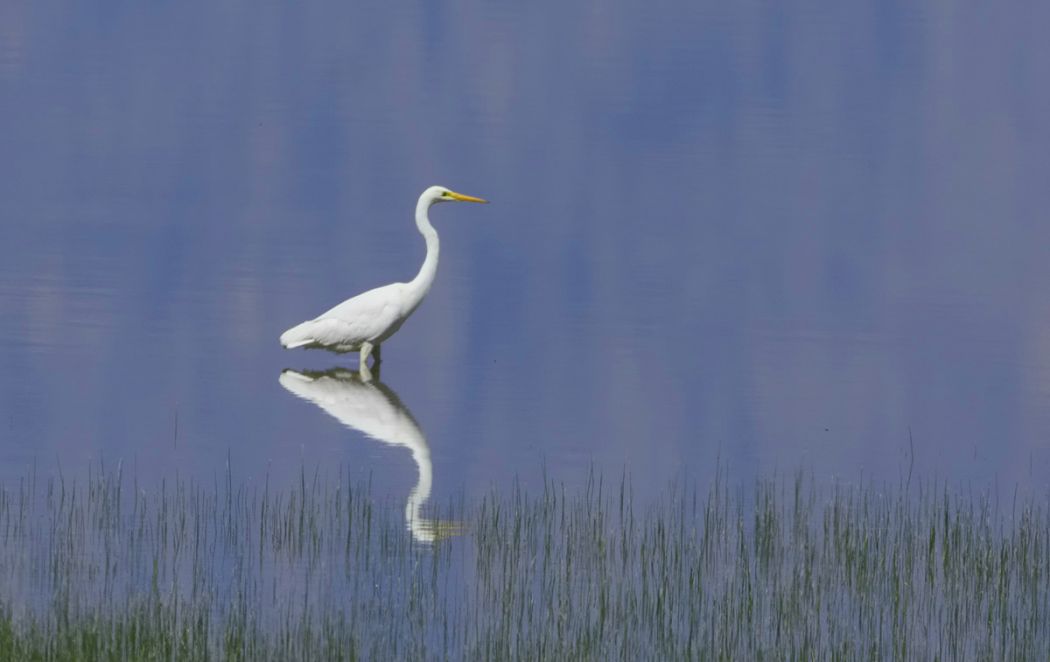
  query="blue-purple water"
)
[{"x": 763, "y": 236}]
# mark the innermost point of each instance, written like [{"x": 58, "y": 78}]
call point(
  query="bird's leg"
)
[
  {"x": 366, "y": 350},
  {"x": 377, "y": 358},
  {"x": 363, "y": 372}
]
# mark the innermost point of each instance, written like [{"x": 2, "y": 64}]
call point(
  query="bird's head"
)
[{"x": 442, "y": 194}]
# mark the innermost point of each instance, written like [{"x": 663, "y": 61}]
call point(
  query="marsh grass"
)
[{"x": 109, "y": 569}]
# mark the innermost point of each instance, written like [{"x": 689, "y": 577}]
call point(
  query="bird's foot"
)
[{"x": 365, "y": 374}]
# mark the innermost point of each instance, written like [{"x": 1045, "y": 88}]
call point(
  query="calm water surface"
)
[{"x": 761, "y": 235}]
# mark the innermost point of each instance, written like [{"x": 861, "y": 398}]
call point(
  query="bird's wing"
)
[
  {"x": 330, "y": 331},
  {"x": 361, "y": 406},
  {"x": 362, "y": 318},
  {"x": 316, "y": 332}
]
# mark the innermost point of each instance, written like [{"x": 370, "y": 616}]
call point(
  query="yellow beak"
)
[{"x": 465, "y": 198}]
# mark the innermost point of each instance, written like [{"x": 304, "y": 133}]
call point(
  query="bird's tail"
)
[{"x": 297, "y": 336}]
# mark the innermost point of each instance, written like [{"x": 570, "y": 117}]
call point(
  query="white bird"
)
[
  {"x": 374, "y": 409},
  {"x": 361, "y": 323}
]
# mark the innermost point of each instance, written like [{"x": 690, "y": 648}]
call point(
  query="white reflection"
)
[{"x": 367, "y": 405}]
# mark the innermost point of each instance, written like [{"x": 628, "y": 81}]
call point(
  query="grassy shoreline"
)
[{"x": 109, "y": 570}]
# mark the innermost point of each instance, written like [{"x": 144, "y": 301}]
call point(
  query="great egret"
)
[
  {"x": 373, "y": 408},
  {"x": 363, "y": 322}
]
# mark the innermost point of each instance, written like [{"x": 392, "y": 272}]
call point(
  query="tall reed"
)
[{"x": 105, "y": 568}]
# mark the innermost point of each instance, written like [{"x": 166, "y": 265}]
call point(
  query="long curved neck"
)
[
  {"x": 420, "y": 285},
  {"x": 422, "y": 529}
]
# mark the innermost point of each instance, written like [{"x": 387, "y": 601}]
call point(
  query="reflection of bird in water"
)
[
  {"x": 374, "y": 409},
  {"x": 363, "y": 322}
]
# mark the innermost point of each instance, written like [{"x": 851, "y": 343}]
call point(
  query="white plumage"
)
[
  {"x": 371, "y": 316},
  {"x": 365, "y": 321},
  {"x": 374, "y": 409}
]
